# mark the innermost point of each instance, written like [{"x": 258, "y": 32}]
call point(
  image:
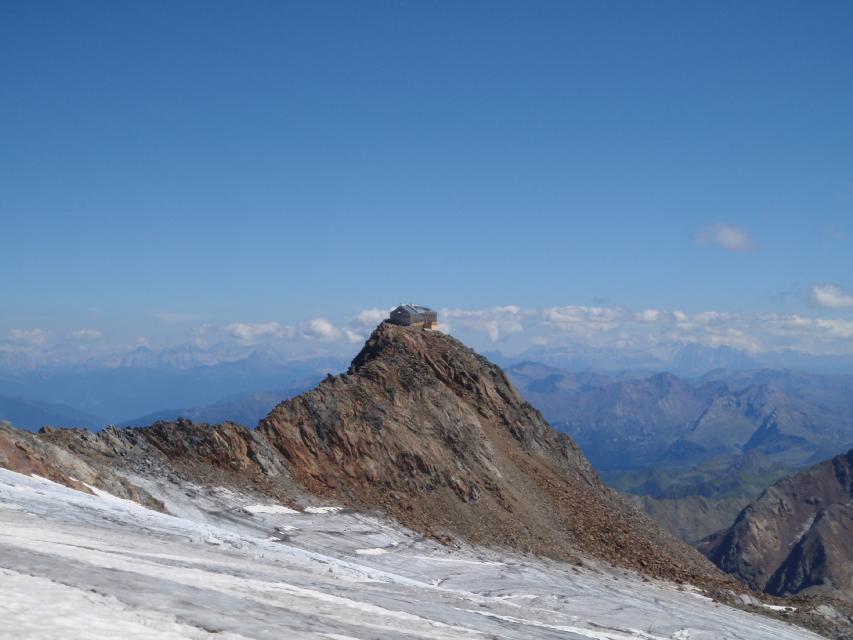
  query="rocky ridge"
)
[{"x": 419, "y": 427}]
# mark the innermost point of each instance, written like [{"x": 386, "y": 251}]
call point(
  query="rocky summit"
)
[{"x": 435, "y": 435}]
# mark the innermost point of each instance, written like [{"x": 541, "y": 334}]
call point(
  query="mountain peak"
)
[
  {"x": 434, "y": 434},
  {"x": 390, "y": 340}
]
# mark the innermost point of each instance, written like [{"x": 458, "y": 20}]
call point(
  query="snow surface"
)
[
  {"x": 378, "y": 551},
  {"x": 74, "y": 565},
  {"x": 322, "y": 509},
  {"x": 269, "y": 508}
]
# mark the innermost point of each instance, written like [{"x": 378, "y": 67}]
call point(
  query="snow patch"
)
[
  {"x": 272, "y": 509},
  {"x": 803, "y": 530},
  {"x": 321, "y": 510}
]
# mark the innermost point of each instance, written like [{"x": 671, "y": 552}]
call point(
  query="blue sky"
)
[{"x": 169, "y": 166}]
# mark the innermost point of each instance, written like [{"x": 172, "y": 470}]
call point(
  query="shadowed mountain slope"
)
[{"x": 797, "y": 537}]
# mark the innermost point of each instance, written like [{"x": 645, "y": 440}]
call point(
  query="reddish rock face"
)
[
  {"x": 24, "y": 453},
  {"x": 33, "y": 454}
]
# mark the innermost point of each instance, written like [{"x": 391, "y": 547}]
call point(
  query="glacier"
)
[{"x": 226, "y": 565}]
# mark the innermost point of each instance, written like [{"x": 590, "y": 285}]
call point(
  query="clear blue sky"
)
[{"x": 260, "y": 161}]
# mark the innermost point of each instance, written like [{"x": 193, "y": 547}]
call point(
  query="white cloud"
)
[
  {"x": 726, "y": 236},
  {"x": 835, "y": 327},
  {"x": 732, "y": 337},
  {"x": 498, "y": 323},
  {"x": 27, "y": 337},
  {"x": 247, "y": 333},
  {"x": 321, "y": 329},
  {"x": 647, "y": 315},
  {"x": 251, "y": 333},
  {"x": 511, "y": 309},
  {"x": 87, "y": 334},
  {"x": 496, "y": 330},
  {"x": 369, "y": 318},
  {"x": 830, "y": 296},
  {"x": 621, "y": 328},
  {"x": 514, "y": 328},
  {"x": 584, "y": 320},
  {"x": 353, "y": 336}
]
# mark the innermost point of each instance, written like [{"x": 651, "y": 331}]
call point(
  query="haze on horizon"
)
[{"x": 617, "y": 175}]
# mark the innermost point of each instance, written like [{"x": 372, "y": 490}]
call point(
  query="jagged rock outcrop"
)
[
  {"x": 425, "y": 430},
  {"x": 33, "y": 454},
  {"x": 225, "y": 454},
  {"x": 797, "y": 537}
]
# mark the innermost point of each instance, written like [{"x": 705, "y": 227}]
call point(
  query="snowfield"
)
[{"x": 224, "y": 567}]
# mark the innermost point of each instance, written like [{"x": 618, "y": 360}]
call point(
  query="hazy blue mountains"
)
[
  {"x": 29, "y": 414},
  {"x": 149, "y": 382},
  {"x": 695, "y": 452},
  {"x": 665, "y": 421},
  {"x": 247, "y": 409}
]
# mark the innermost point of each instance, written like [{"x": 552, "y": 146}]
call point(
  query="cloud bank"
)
[
  {"x": 510, "y": 329},
  {"x": 620, "y": 327}
]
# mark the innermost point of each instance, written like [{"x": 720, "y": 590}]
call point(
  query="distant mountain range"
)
[
  {"x": 663, "y": 421},
  {"x": 30, "y": 414},
  {"x": 695, "y": 452},
  {"x": 683, "y": 359},
  {"x": 61, "y": 358},
  {"x": 117, "y": 387},
  {"x": 247, "y": 410},
  {"x": 116, "y": 395}
]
